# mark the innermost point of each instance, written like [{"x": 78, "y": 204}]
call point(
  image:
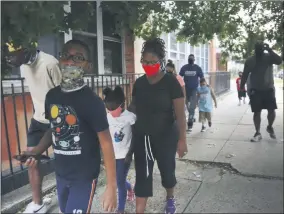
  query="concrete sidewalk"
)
[{"x": 223, "y": 171}]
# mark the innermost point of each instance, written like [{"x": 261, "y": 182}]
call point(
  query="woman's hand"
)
[{"x": 182, "y": 148}]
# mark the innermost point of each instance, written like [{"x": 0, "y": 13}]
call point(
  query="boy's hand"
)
[
  {"x": 30, "y": 162},
  {"x": 109, "y": 200}
]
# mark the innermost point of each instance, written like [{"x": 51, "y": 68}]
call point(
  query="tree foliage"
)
[{"x": 238, "y": 24}]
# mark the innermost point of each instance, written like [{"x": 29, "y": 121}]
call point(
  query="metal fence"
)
[{"x": 17, "y": 111}]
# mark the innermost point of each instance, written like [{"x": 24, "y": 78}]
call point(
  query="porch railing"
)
[{"x": 17, "y": 111}]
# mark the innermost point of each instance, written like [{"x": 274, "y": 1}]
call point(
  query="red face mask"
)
[
  {"x": 116, "y": 112},
  {"x": 151, "y": 70}
]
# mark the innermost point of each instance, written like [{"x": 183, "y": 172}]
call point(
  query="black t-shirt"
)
[
  {"x": 75, "y": 119},
  {"x": 154, "y": 104}
]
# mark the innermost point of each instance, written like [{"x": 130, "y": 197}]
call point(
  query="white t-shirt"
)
[
  {"x": 41, "y": 76},
  {"x": 121, "y": 133}
]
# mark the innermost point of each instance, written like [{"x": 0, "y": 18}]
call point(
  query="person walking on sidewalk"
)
[
  {"x": 262, "y": 95},
  {"x": 120, "y": 125},
  {"x": 205, "y": 94},
  {"x": 170, "y": 68},
  {"x": 241, "y": 92},
  {"x": 78, "y": 128},
  {"x": 160, "y": 128},
  {"x": 41, "y": 72},
  {"x": 192, "y": 73}
]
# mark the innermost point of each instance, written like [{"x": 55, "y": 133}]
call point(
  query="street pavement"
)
[{"x": 223, "y": 171}]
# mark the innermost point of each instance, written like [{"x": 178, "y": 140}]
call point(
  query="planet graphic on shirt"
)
[{"x": 65, "y": 126}]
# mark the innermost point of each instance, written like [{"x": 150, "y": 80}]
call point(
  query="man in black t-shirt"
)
[{"x": 78, "y": 128}]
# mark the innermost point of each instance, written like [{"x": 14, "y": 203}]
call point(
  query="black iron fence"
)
[{"x": 17, "y": 111}]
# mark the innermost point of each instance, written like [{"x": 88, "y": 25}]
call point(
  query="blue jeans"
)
[
  {"x": 191, "y": 95},
  {"x": 123, "y": 186}
]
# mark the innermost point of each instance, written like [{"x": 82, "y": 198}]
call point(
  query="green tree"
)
[{"x": 193, "y": 21}]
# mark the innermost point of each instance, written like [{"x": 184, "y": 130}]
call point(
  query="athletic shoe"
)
[
  {"x": 270, "y": 130},
  {"x": 170, "y": 206},
  {"x": 35, "y": 208},
  {"x": 130, "y": 195},
  {"x": 209, "y": 124},
  {"x": 203, "y": 129},
  {"x": 256, "y": 138}
]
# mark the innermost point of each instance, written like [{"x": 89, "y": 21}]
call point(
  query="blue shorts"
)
[{"x": 75, "y": 196}]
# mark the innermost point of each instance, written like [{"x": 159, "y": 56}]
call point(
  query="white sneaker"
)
[
  {"x": 256, "y": 138},
  {"x": 35, "y": 208}
]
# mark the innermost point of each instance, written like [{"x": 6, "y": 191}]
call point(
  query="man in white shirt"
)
[{"x": 41, "y": 72}]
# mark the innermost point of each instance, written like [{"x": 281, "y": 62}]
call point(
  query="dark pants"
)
[
  {"x": 191, "y": 99},
  {"x": 75, "y": 196},
  {"x": 147, "y": 149},
  {"x": 36, "y": 132},
  {"x": 262, "y": 100},
  {"x": 241, "y": 94},
  {"x": 123, "y": 186}
]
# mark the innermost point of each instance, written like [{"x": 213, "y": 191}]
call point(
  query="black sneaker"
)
[
  {"x": 203, "y": 129},
  {"x": 209, "y": 124},
  {"x": 270, "y": 130},
  {"x": 256, "y": 138}
]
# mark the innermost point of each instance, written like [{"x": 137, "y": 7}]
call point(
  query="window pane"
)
[
  {"x": 206, "y": 51},
  {"x": 202, "y": 50},
  {"x": 192, "y": 49},
  {"x": 182, "y": 47},
  {"x": 112, "y": 57},
  {"x": 197, "y": 51},
  {"x": 197, "y": 60},
  {"x": 173, "y": 55},
  {"x": 206, "y": 66},
  {"x": 182, "y": 56},
  {"x": 173, "y": 42}
]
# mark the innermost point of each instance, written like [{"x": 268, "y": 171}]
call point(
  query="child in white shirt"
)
[{"x": 120, "y": 125}]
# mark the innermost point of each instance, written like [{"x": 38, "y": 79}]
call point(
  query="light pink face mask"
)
[{"x": 117, "y": 112}]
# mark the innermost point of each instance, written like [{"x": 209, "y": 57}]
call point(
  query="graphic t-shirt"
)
[
  {"x": 205, "y": 99},
  {"x": 76, "y": 118},
  {"x": 191, "y": 75},
  {"x": 154, "y": 104},
  {"x": 121, "y": 133}
]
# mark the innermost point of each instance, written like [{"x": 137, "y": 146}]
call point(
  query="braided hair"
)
[
  {"x": 114, "y": 98},
  {"x": 155, "y": 46}
]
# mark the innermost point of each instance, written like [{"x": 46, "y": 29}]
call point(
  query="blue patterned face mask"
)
[{"x": 72, "y": 78}]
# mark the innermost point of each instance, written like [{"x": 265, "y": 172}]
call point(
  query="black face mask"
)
[{"x": 190, "y": 61}]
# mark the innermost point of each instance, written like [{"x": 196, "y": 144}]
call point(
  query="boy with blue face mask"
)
[{"x": 205, "y": 94}]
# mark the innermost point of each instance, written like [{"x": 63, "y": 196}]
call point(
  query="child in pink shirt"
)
[{"x": 170, "y": 68}]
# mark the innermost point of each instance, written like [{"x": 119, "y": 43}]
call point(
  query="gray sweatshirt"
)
[{"x": 261, "y": 70}]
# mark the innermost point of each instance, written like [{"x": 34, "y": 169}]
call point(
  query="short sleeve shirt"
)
[
  {"x": 121, "y": 133},
  {"x": 76, "y": 118},
  {"x": 154, "y": 104}
]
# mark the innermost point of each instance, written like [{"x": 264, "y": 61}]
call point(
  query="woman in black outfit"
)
[{"x": 160, "y": 129}]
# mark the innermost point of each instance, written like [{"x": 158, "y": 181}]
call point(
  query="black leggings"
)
[{"x": 147, "y": 149}]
